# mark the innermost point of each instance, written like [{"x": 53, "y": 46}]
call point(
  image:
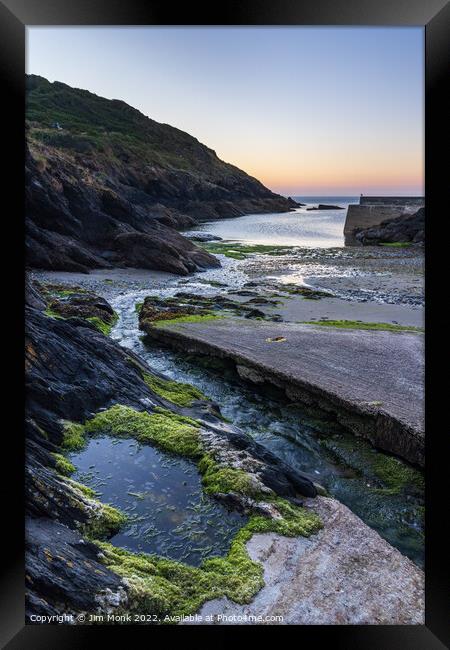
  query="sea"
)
[{"x": 301, "y": 227}]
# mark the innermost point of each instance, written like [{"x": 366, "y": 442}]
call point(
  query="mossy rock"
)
[
  {"x": 169, "y": 589},
  {"x": 174, "y": 391}
]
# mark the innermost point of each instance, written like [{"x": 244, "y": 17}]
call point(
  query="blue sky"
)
[{"x": 306, "y": 110}]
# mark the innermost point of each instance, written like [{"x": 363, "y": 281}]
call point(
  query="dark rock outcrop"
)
[
  {"x": 407, "y": 228},
  {"x": 155, "y": 309},
  {"x": 63, "y": 573},
  {"x": 110, "y": 186},
  {"x": 72, "y": 371}
]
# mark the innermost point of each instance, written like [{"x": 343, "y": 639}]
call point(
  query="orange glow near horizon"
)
[{"x": 351, "y": 174}]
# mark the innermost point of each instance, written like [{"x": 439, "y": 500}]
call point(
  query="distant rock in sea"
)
[{"x": 324, "y": 206}]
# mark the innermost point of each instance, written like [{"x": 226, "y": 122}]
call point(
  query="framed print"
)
[{"x": 225, "y": 294}]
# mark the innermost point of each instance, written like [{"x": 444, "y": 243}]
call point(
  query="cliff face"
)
[{"x": 106, "y": 186}]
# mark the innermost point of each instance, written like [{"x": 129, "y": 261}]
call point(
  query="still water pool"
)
[{"x": 168, "y": 513}]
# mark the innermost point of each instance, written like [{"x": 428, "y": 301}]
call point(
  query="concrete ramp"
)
[
  {"x": 344, "y": 575},
  {"x": 371, "y": 381}
]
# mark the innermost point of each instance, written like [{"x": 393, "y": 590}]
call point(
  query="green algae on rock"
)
[
  {"x": 356, "y": 324},
  {"x": 71, "y": 302},
  {"x": 390, "y": 474},
  {"x": 73, "y": 435},
  {"x": 176, "y": 392},
  {"x": 191, "y": 318},
  {"x": 219, "y": 479},
  {"x": 396, "y": 475},
  {"x": 174, "y": 433},
  {"x": 163, "y": 586},
  {"x": 103, "y": 520},
  {"x": 108, "y": 522},
  {"x": 63, "y": 464},
  {"x": 396, "y": 244},
  {"x": 239, "y": 251},
  {"x": 103, "y": 326},
  {"x": 168, "y": 588}
]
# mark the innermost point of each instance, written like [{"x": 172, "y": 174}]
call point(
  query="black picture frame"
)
[{"x": 15, "y": 15}]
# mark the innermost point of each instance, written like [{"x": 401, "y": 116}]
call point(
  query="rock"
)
[
  {"x": 324, "y": 206},
  {"x": 185, "y": 304},
  {"x": 73, "y": 371},
  {"x": 252, "y": 313},
  {"x": 202, "y": 236},
  {"x": 249, "y": 374},
  {"x": 32, "y": 297},
  {"x": 326, "y": 368},
  {"x": 83, "y": 305},
  {"x": 406, "y": 228},
  {"x": 345, "y": 575},
  {"x": 63, "y": 573}
]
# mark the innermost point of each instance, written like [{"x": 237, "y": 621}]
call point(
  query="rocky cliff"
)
[{"x": 106, "y": 186}]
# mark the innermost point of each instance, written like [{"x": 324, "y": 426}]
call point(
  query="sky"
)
[{"x": 306, "y": 110}]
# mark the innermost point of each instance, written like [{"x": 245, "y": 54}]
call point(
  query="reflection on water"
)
[
  {"x": 310, "y": 229},
  {"x": 168, "y": 512}
]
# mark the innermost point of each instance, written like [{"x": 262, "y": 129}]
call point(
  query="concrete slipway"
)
[{"x": 372, "y": 381}]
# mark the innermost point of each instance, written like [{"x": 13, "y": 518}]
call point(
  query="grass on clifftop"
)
[
  {"x": 114, "y": 133},
  {"x": 354, "y": 324}
]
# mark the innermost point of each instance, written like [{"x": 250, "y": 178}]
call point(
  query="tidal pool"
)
[{"x": 168, "y": 512}]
